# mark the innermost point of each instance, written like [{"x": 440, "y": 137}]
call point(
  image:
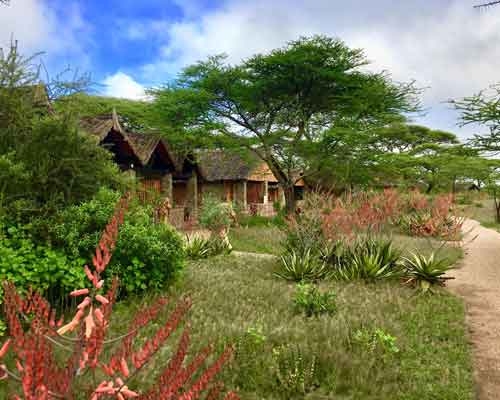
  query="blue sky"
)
[{"x": 445, "y": 45}]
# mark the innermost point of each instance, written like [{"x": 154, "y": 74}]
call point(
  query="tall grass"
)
[{"x": 237, "y": 300}]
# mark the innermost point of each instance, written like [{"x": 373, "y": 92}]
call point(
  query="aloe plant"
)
[
  {"x": 425, "y": 271},
  {"x": 302, "y": 267}
]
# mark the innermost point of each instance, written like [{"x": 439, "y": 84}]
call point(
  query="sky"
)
[{"x": 446, "y": 46}]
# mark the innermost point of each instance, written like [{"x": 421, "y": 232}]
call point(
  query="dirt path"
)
[{"x": 478, "y": 282}]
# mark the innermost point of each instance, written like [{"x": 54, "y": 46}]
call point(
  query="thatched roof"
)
[
  {"x": 101, "y": 125},
  {"x": 143, "y": 144},
  {"x": 220, "y": 165}
]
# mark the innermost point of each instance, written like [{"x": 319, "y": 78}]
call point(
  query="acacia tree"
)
[
  {"x": 482, "y": 109},
  {"x": 280, "y": 104}
]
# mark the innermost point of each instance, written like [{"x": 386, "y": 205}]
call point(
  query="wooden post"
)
[
  {"x": 166, "y": 186},
  {"x": 266, "y": 192}
]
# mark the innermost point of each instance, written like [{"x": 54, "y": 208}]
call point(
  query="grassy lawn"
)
[
  {"x": 238, "y": 300},
  {"x": 257, "y": 239}
]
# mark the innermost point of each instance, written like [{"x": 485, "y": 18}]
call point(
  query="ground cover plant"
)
[{"x": 35, "y": 337}]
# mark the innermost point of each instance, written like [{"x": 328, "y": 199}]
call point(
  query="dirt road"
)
[{"x": 478, "y": 282}]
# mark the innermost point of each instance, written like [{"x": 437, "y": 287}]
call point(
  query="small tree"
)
[{"x": 49, "y": 163}]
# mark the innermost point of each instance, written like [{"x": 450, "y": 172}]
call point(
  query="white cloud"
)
[
  {"x": 122, "y": 85},
  {"x": 445, "y": 45},
  {"x": 37, "y": 28}
]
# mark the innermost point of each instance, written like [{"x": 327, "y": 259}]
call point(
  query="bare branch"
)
[{"x": 486, "y": 5}]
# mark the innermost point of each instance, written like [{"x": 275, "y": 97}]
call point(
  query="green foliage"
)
[
  {"x": 246, "y": 347},
  {"x": 220, "y": 246},
  {"x": 45, "y": 162},
  {"x": 135, "y": 113},
  {"x": 284, "y": 102},
  {"x": 198, "y": 248},
  {"x": 482, "y": 109},
  {"x": 311, "y": 301},
  {"x": 377, "y": 342},
  {"x": 29, "y": 264},
  {"x": 295, "y": 371},
  {"x": 301, "y": 267},
  {"x": 304, "y": 234},
  {"x": 370, "y": 260},
  {"x": 78, "y": 228},
  {"x": 425, "y": 271},
  {"x": 147, "y": 255},
  {"x": 215, "y": 215}
]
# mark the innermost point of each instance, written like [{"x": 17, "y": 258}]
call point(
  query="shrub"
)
[
  {"x": 77, "y": 229},
  {"x": 147, "y": 255},
  {"x": 312, "y": 302},
  {"x": 426, "y": 271},
  {"x": 86, "y": 372},
  {"x": 27, "y": 264},
  {"x": 247, "y": 349},
  {"x": 431, "y": 219},
  {"x": 215, "y": 215},
  {"x": 219, "y": 246},
  {"x": 301, "y": 267},
  {"x": 304, "y": 234}
]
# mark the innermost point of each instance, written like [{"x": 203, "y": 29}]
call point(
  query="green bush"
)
[
  {"x": 77, "y": 229},
  {"x": 304, "y": 234},
  {"x": 28, "y": 264},
  {"x": 197, "y": 248},
  {"x": 215, "y": 215},
  {"x": 312, "y": 302},
  {"x": 147, "y": 255}
]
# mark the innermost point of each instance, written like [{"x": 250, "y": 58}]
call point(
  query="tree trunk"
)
[
  {"x": 497, "y": 208},
  {"x": 290, "y": 202}
]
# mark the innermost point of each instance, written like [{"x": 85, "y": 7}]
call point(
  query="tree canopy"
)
[
  {"x": 45, "y": 161},
  {"x": 280, "y": 105},
  {"x": 482, "y": 109}
]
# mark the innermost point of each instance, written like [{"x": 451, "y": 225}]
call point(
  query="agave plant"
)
[
  {"x": 302, "y": 267},
  {"x": 219, "y": 246},
  {"x": 197, "y": 248},
  {"x": 427, "y": 271},
  {"x": 370, "y": 260}
]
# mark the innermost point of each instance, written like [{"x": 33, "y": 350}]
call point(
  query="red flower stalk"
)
[{"x": 34, "y": 335}]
